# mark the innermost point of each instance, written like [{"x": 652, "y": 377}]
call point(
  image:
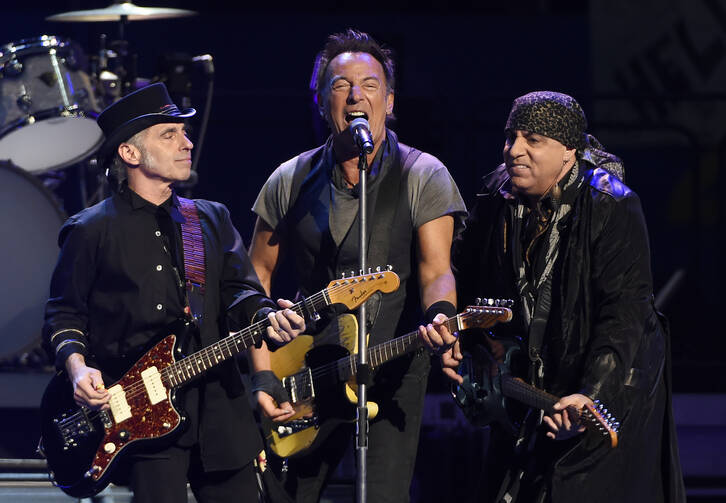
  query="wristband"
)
[
  {"x": 442, "y": 306},
  {"x": 267, "y": 381}
]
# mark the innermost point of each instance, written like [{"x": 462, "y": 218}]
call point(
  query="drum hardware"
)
[{"x": 46, "y": 98}]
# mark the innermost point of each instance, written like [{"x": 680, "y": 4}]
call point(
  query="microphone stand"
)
[{"x": 363, "y": 374}]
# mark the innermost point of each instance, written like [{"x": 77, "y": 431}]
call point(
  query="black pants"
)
[
  {"x": 162, "y": 478},
  {"x": 399, "y": 390}
]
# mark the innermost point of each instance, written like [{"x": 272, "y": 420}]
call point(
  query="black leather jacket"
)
[{"x": 604, "y": 337}]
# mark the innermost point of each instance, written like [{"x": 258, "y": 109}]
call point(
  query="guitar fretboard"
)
[
  {"x": 197, "y": 363},
  {"x": 381, "y": 353},
  {"x": 527, "y": 394}
]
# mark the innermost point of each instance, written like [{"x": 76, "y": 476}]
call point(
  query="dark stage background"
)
[{"x": 650, "y": 80}]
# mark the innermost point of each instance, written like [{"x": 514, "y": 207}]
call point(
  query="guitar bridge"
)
[
  {"x": 71, "y": 428},
  {"x": 296, "y": 425},
  {"x": 299, "y": 386}
]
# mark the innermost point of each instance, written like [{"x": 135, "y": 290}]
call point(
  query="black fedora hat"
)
[{"x": 135, "y": 112}]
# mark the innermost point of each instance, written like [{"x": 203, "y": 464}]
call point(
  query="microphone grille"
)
[{"x": 360, "y": 121}]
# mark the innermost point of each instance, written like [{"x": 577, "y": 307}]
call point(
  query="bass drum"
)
[
  {"x": 47, "y": 105},
  {"x": 30, "y": 219}
]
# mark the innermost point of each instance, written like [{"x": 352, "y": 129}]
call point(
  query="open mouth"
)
[{"x": 351, "y": 116}]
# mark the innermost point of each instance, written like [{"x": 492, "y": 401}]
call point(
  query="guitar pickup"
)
[
  {"x": 299, "y": 386},
  {"x": 120, "y": 408},
  {"x": 154, "y": 387},
  {"x": 296, "y": 425}
]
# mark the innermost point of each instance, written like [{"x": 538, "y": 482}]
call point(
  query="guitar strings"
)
[
  {"x": 246, "y": 335},
  {"x": 350, "y": 362}
]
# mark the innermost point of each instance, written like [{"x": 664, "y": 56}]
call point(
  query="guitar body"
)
[
  {"x": 491, "y": 392},
  {"x": 481, "y": 395},
  {"x": 83, "y": 446},
  {"x": 332, "y": 401}
]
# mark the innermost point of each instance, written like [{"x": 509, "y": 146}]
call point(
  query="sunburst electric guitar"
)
[
  {"x": 83, "y": 446},
  {"x": 319, "y": 375}
]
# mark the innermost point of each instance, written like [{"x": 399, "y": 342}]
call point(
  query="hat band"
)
[{"x": 170, "y": 109}]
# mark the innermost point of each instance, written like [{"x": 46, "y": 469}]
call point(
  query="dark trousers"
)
[
  {"x": 399, "y": 390},
  {"x": 162, "y": 478}
]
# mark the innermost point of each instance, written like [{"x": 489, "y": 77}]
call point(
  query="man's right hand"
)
[
  {"x": 450, "y": 360},
  {"x": 88, "y": 387},
  {"x": 270, "y": 408}
]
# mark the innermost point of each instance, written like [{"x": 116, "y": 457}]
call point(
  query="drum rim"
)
[
  {"x": 55, "y": 203},
  {"x": 32, "y": 44}
]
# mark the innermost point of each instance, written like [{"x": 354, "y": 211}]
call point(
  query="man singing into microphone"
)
[
  {"x": 308, "y": 210},
  {"x": 556, "y": 230}
]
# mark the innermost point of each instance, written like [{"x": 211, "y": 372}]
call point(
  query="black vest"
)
[{"x": 318, "y": 260}]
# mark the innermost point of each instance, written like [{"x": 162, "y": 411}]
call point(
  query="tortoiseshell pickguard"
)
[{"x": 147, "y": 421}]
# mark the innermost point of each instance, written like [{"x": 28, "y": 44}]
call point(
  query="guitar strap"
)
[
  {"x": 194, "y": 260},
  {"x": 537, "y": 330}
]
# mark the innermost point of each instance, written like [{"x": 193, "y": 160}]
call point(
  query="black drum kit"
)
[{"x": 51, "y": 92}]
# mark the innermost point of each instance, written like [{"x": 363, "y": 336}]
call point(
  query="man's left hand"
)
[
  {"x": 565, "y": 423},
  {"x": 436, "y": 335},
  {"x": 442, "y": 342},
  {"x": 285, "y": 324}
]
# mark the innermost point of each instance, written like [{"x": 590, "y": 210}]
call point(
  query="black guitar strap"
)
[{"x": 537, "y": 330}]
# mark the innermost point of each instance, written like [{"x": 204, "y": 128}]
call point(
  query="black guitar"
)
[
  {"x": 83, "y": 446},
  {"x": 490, "y": 392}
]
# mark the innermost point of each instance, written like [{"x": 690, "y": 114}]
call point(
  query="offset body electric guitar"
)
[
  {"x": 492, "y": 394},
  {"x": 319, "y": 375},
  {"x": 83, "y": 446}
]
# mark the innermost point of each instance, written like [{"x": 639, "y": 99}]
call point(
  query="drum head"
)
[
  {"x": 52, "y": 143},
  {"x": 30, "y": 220}
]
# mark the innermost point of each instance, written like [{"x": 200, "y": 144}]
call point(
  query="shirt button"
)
[
  {"x": 158, "y": 234},
  {"x": 158, "y": 267},
  {"x": 159, "y": 307}
]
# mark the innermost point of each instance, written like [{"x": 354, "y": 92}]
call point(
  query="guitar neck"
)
[
  {"x": 527, "y": 394},
  {"x": 384, "y": 352},
  {"x": 197, "y": 363}
]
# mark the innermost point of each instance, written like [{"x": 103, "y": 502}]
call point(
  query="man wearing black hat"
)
[
  {"x": 556, "y": 230},
  {"x": 131, "y": 265}
]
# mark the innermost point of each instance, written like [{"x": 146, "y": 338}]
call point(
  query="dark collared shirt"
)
[{"x": 116, "y": 286}]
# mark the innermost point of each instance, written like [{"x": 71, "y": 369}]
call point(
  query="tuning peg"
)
[
  {"x": 389, "y": 267},
  {"x": 478, "y": 301},
  {"x": 352, "y": 273},
  {"x": 370, "y": 270},
  {"x": 378, "y": 268},
  {"x": 342, "y": 275}
]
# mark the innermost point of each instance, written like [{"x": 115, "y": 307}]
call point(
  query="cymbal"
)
[{"x": 116, "y": 11}]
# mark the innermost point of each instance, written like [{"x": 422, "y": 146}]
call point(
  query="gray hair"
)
[{"x": 118, "y": 167}]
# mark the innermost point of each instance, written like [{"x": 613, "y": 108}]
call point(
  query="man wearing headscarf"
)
[{"x": 556, "y": 230}]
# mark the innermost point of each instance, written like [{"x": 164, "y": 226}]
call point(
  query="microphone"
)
[{"x": 362, "y": 135}]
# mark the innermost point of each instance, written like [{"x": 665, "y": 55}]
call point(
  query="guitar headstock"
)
[
  {"x": 354, "y": 290},
  {"x": 599, "y": 417},
  {"x": 484, "y": 316}
]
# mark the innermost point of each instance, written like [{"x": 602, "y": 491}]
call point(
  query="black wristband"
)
[
  {"x": 267, "y": 381},
  {"x": 442, "y": 306}
]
